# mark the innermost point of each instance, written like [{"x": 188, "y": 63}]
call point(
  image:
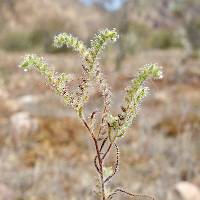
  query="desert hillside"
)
[{"x": 45, "y": 151}]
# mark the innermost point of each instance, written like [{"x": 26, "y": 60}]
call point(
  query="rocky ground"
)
[{"x": 45, "y": 153}]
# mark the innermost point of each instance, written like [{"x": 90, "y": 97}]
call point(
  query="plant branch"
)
[
  {"x": 100, "y": 168},
  {"x": 140, "y": 196},
  {"x": 116, "y": 165}
]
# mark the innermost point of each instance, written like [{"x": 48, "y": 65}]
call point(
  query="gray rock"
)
[
  {"x": 23, "y": 123},
  {"x": 184, "y": 191},
  {"x": 6, "y": 193}
]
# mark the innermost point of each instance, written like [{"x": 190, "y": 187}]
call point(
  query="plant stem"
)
[
  {"x": 100, "y": 168},
  {"x": 100, "y": 160}
]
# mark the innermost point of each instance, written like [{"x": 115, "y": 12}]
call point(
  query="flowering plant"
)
[{"x": 111, "y": 127}]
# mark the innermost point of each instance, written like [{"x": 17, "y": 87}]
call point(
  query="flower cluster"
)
[
  {"x": 57, "y": 81},
  {"x": 97, "y": 46},
  {"x": 72, "y": 42},
  {"x": 91, "y": 68},
  {"x": 134, "y": 95},
  {"x": 100, "y": 41},
  {"x": 92, "y": 72}
]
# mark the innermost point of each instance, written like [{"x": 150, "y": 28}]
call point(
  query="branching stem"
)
[
  {"x": 140, "y": 196},
  {"x": 100, "y": 160}
]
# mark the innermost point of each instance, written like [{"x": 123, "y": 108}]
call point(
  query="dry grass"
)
[{"x": 54, "y": 162}]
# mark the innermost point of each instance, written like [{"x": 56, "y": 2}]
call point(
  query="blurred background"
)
[{"x": 45, "y": 153}]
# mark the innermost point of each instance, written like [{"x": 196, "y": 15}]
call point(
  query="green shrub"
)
[
  {"x": 164, "y": 39},
  {"x": 193, "y": 33},
  {"x": 38, "y": 36},
  {"x": 137, "y": 37},
  {"x": 15, "y": 41}
]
